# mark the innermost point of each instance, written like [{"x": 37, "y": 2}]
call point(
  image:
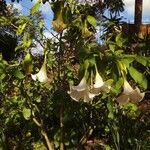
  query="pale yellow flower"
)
[{"x": 129, "y": 94}]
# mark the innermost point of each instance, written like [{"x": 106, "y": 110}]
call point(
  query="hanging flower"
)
[
  {"x": 81, "y": 92},
  {"x": 81, "y": 86},
  {"x": 41, "y": 75},
  {"x": 130, "y": 94},
  {"x": 100, "y": 86}
]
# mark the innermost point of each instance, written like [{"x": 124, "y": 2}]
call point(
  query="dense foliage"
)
[{"x": 40, "y": 108}]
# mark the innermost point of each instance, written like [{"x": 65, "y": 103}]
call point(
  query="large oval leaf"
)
[
  {"x": 26, "y": 113},
  {"x": 18, "y": 74},
  {"x": 91, "y": 20},
  {"x": 138, "y": 77},
  {"x": 35, "y": 8},
  {"x": 142, "y": 60}
]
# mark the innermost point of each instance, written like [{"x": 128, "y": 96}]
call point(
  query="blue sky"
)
[{"x": 25, "y": 5}]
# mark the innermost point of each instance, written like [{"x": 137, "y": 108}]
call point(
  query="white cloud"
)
[
  {"x": 37, "y": 50},
  {"x": 129, "y": 6},
  {"x": 146, "y": 11},
  {"x": 45, "y": 8},
  {"x": 46, "y": 12},
  {"x": 48, "y": 34},
  {"x": 18, "y": 6}
]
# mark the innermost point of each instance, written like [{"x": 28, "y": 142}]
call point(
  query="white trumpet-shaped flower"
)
[
  {"x": 41, "y": 75},
  {"x": 99, "y": 86},
  {"x": 81, "y": 92},
  {"x": 81, "y": 86},
  {"x": 129, "y": 94}
]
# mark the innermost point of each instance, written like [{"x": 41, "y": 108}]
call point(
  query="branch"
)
[{"x": 86, "y": 136}]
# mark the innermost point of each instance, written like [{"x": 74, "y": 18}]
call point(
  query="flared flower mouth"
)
[
  {"x": 83, "y": 95},
  {"x": 86, "y": 92},
  {"x": 41, "y": 76},
  {"x": 81, "y": 92},
  {"x": 136, "y": 96},
  {"x": 130, "y": 95}
]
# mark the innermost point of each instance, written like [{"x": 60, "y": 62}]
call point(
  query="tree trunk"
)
[{"x": 138, "y": 12}]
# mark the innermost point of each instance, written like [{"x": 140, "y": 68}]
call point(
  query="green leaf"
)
[
  {"x": 4, "y": 21},
  {"x": 138, "y": 77},
  {"x": 109, "y": 81},
  {"x": 72, "y": 5},
  {"x": 35, "y": 8},
  {"x": 119, "y": 40},
  {"x": 110, "y": 109},
  {"x": 41, "y": 24},
  {"x": 91, "y": 20},
  {"x": 22, "y": 20},
  {"x": 107, "y": 147},
  {"x": 66, "y": 15},
  {"x": 117, "y": 87},
  {"x": 26, "y": 113},
  {"x": 2, "y": 76},
  {"x": 127, "y": 61},
  {"x": 57, "y": 8},
  {"x": 38, "y": 99},
  {"x": 19, "y": 47},
  {"x": 112, "y": 47},
  {"x": 27, "y": 41},
  {"x": 148, "y": 61},
  {"x": 131, "y": 106},
  {"x": 19, "y": 74},
  {"x": 142, "y": 60},
  {"x": 21, "y": 29},
  {"x": 28, "y": 58}
]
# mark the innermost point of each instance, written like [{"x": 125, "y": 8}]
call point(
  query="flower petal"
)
[
  {"x": 34, "y": 77},
  {"x": 88, "y": 97},
  {"x": 81, "y": 86},
  {"x": 76, "y": 95},
  {"x": 123, "y": 99},
  {"x": 127, "y": 87},
  {"x": 103, "y": 89},
  {"x": 83, "y": 95},
  {"x": 136, "y": 96},
  {"x": 130, "y": 94},
  {"x": 106, "y": 88},
  {"x": 98, "y": 81}
]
